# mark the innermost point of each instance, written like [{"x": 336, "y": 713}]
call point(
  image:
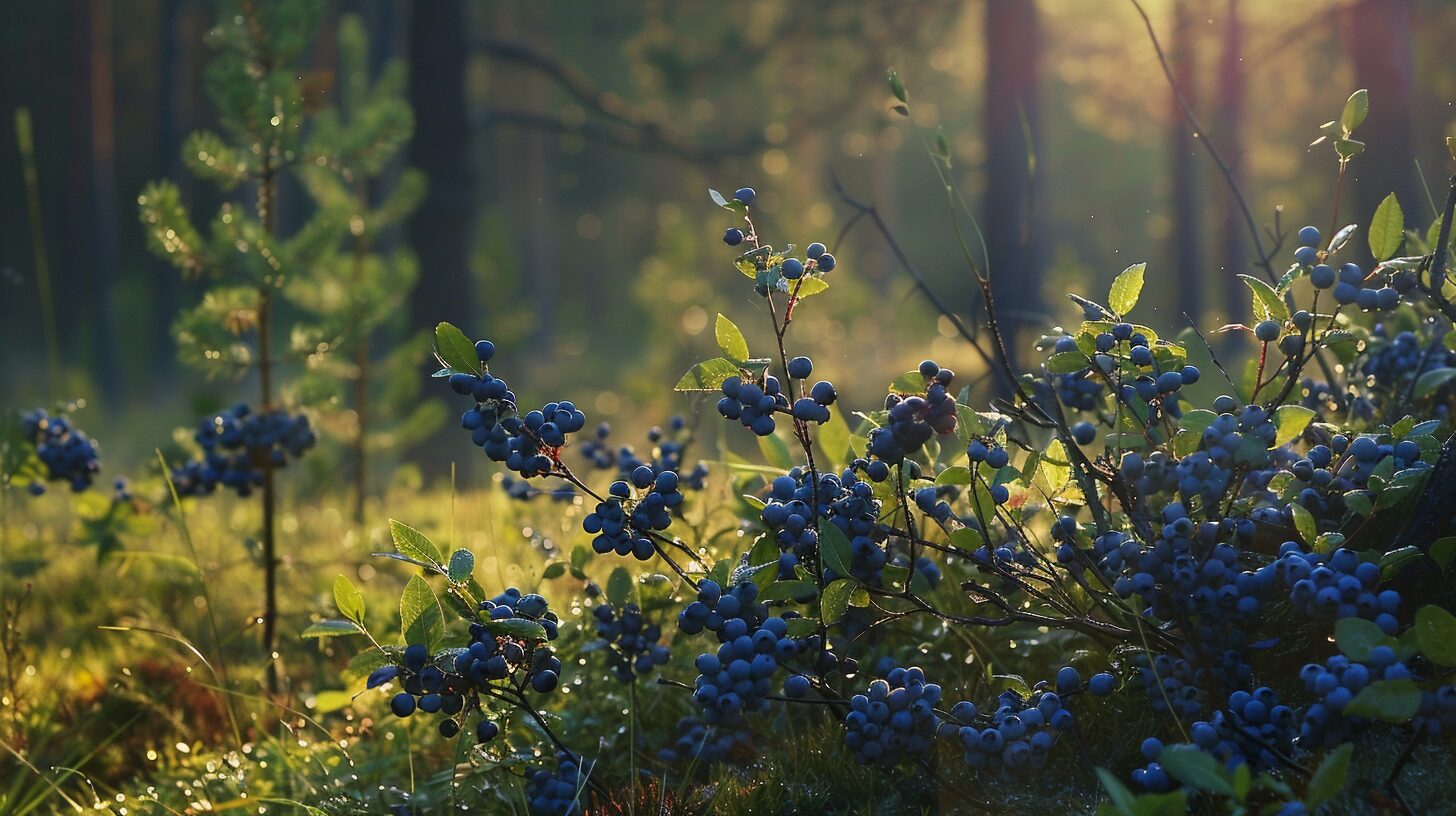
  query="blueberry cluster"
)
[
  {"x": 776, "y": 272},
  {"x": 633, "y": 643},
  {"x": 703, "y": 744},
  {"x": 845, "y": 500},
  {"x": 668, "y": 449},
  {"x": 1192, "y": 571},
  {"x": 1078, "y": 390},
  {"x": 737, "y": 678},
  {"x": 913, "y": 420},
  {"x": 634, "y": 511},
  {"x": 894, "y": 720},
  {"x": 1335, "y": 684},
  {"x": 1122, "y": 344},
  {"x": 238, "y": 446},
  {"x": 529, "y": 445},
  {"x": 1337, "y": 585},
  {"x": 754, "y": 405},
  {"x": 559, "y": 791},
  {"x": 453, "y": 681},
  {"x": 69, "y": 455},
  {"x": 1376, "y": 291},
  {"x": 1391, "y": 362},
  {"x": 1255, "y": 729},
  {"x": 522, "y": 490},
  {"x": 1018, "y": 736}
]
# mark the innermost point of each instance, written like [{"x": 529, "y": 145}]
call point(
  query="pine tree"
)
[
  {"x": 263, "y": 101},
  {"x": 361, "y": 290}
]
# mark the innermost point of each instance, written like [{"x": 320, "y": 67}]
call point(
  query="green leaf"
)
[
  {"x": 707, "y": 375},
  {"x": 1443, "y": 551},
  {"x": 455, "y": 350},
  {"x": 1348, "y": 149},
  {"x": 1056, "y": 465},
  {"x": 1391, "y": 701},
  {"x": 1289, "y": 422},
  {"x": 802, "y": 591},
  {"x": 462, "y": 563},
  {"x": 619, "y": 586},
  {"x": 955, "y": 475},
  {"x": 803, "y": 627},
  {"x": 420, "y": 616},
  {"x": 1067, "y": 362},
  {"x": 1355, "y": 637},
  {"x": 1198, "y": 420},
  {"x": 349, "y": 600},
  {"x": 1436, "y": 634},
  {"x": 836, "y": 599},
  {"x": 1267, "y": 304},
  {"x": 1304, "y": 522},
  {"x": 775, "y": 451},
  {"x": 332, "y": 628},
  {"x": 896, "y": 86},
  {"x": 414, "y": 544},
  {"x": 1393, "y": 562},
  {"x": 908, "y": 384},
  {"x": 1125, "y": 289},
  {"x": 730, "y": 339},
  {"x": 1387, "y": 229},
  {"x": 554, "y": 569},
  {"x": 834, "y": 547},
  {"x": 731, "y": 204},
  {"x": 1432, "y": 381},
  {"x": 518, "y": 628},
  {"x": 1122, "y": 798},
  {"x": 1196, "y": 769},
  {"x": 833, "y": 438},
  {"x": 1357, "y": 107},
  {"x": 1329, "y": 778}
]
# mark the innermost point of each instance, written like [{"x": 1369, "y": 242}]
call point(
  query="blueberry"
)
[
  {"x": 1309, "y": 236},
  {"x": 815, "y": 250},
  {"x": 796, "y": 686},
  {"x": 745, "y": 195},
  {"x": 1084, "y": 432},
  {"x": 1267, "y": 331},
  {"x": 402, "y": 704},
  {"x": 485, "y": 731},
  {"x": 800, "y": 368},
  {"x": 792, "y": 268},
  {"x": 1101, "y": 684},
  {"x": 825, "y": 262},
  {"x": 1306, "y": 255},
  {"x": 733, "y": 236},
  {"x": 997, "y": 457},
  {"x": 823, "y": 393},
  {"x": 1346, "y": 293}
]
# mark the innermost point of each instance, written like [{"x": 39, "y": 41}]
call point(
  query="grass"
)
[{"x": 134, "y": 684}]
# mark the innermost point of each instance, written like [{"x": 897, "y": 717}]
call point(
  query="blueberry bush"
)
[
  {"x": 1130, "y": 579},
  {"x": 1180, "y": 586}
]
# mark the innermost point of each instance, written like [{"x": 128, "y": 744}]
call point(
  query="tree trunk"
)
[
  {"x": 1380, "y": 39},
  {"x": 103, "y": 196},
  {"x": 1230, "y": 119},
  {"x": 1186, "y": 239},
  {"x": 1012, "y": 44},
  {"x": 439, "y": 231}
]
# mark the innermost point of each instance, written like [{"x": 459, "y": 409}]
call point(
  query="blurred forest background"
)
[{"x": 568, "y": 148}]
